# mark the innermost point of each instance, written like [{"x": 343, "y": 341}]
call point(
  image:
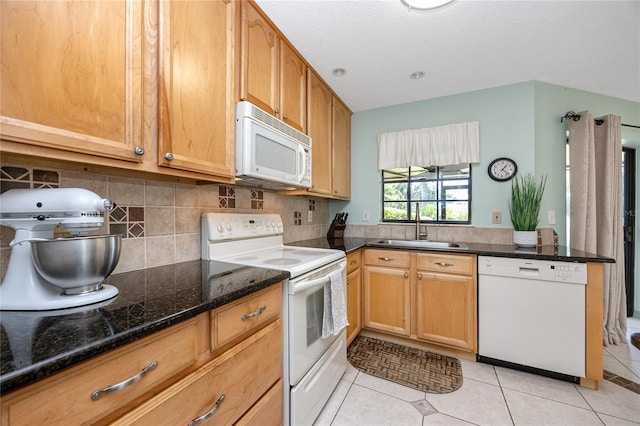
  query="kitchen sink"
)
[{"x": 424, "y": 244}]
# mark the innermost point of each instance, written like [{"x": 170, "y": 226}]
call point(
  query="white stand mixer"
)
[{"x": 34, "y": 213}]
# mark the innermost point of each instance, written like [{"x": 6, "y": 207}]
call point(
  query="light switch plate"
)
[{"x": 310, "y": 216}]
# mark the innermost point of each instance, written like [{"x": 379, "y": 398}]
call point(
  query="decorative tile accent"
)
[
  {"x": 312, "y": 205},
  {"x": 226, "y": 197},
  {"x": 14, "y": 177},
  {"x": 257, "y": 200},
  {"x": 621, "y": 381},
  {"x": 127, "y": 221},
  {"x": 297, "y": 218}
]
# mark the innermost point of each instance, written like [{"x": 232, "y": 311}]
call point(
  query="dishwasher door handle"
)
[{"x": 529, "y": 272}]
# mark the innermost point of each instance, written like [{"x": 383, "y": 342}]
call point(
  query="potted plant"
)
[{"x": 524, "y": 208}]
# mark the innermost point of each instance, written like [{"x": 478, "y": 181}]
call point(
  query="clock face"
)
[{"x": 502, "y": 169}]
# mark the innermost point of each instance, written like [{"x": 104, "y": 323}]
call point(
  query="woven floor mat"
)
[{"x": 415, "y": 368}]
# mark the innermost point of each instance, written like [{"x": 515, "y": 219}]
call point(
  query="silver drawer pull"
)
[
  {"x": 443, "y": 264},
  {"x": 208, "y": 415},
  {"x": 386, "y": 259},
  {"x": 124, "y": 384},
  {"x": 254, "y": 314}
]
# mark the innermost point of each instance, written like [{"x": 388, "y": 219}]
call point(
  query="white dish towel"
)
[{"x": 334, "y": 317}]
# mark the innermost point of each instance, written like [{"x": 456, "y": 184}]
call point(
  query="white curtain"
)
[
  {"x": 595, "y": 156},
  {"x": 451, "y": 144}
]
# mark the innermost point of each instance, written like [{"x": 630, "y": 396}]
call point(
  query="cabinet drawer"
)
[
  {"x": 267, "y": 411},
  {"x": 394, "y": 258},
  {"x": 68, "y": 398},
  {"x": 438, "y": 262},
  {"x": 242, "y": 374},
  {"x": 249, "y": 313},
  {"x": 353, "y": 261}
]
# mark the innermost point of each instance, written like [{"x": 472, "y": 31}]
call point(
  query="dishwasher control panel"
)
[{"x": 546, "y": 270}]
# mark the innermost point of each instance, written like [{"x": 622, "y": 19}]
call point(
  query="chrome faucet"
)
[{"x": 418, "y": 233}]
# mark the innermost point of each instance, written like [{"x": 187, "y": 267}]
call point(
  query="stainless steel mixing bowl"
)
[{"x": 76, "y": 265}]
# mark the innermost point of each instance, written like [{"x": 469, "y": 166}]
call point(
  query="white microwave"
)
[{"x": 269, "y": 153}]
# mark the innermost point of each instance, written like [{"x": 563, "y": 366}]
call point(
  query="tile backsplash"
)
[{"x": 159, "y": 221}]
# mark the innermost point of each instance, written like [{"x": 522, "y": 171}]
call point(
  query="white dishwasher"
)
[{"x": 531, "y": 315}]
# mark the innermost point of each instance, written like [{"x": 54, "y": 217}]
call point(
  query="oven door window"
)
[{"x": 315, "y": 313}]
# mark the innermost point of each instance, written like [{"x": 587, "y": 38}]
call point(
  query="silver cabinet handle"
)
[
  {"x": 254, "y": 314},
  {"x": 406, "y": 275},
  {"x": 208, "y": 414},
  {"x": 419, "y": 276},
  {"x": 353, "y": 262},
  {"x": 277, "y": 110},
  {"x": 443, "y": 264},
  {"x": 138, "y": 150},
  {"x": 285, "y": 117},
  {"x": 386, "y": 259},
  {"x": 124, "y": 384},
  {"x": 168, "y": 156}
]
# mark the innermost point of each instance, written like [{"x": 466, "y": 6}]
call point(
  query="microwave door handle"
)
[
  {"x": 313, "y": 283},
  {"x": 303, "y": 162}
]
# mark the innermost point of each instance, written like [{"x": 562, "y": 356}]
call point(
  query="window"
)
[{"x": 443, "y": 194}]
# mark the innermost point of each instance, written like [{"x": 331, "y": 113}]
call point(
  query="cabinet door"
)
[
  {"x": 354, "y": 303},
  {"x": 293, "y": 88},
  {"x": 259, "y": 60},
  {"x": 446, "y": 309},
  {"x": 196, "y": 112},
  {"x": 72, "y": 75},
  {"x": 319, "y": 128},
  {"x": 386, "y": 299},
  {"x": 341, "y": 150}
]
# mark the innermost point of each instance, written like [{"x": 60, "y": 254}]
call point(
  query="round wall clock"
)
[{"x": 502, "y": 169}]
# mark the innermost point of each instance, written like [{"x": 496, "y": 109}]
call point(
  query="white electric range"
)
[{"x": 312, "y": 365}]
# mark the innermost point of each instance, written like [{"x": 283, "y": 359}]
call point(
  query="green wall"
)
[
  {"x": 506, "y": 115},
  {"x": 520, "y": 121}
]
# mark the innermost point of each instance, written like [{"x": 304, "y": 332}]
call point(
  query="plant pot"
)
[{"x": 525, "y": 238}]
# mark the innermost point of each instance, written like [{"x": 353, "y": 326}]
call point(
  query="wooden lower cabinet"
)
[
  {"x": 66, "y": 398},
  {"x": 424, "y": 296},
  {"x": 267, "y": 411},
  {"x": 446, "y": 299},
  {"x": 387, "y": 291},
  {"x": 188, "y": 378},
  {"x": 354, "y": 296},
  {"x": 222, "y": 390}
]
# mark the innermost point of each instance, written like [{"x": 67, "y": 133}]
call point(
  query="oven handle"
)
[{"x": 313, "y": 283}]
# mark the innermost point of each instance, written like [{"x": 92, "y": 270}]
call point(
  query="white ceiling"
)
[{"x": 470, "y": 45}]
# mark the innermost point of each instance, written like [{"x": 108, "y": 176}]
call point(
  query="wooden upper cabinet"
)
[
  {"x": 196, "y": 114},
  {"x": 71, "y": 75},
  {"x": 260, "y": 60},
  {"x": 293, "y": 90},
  {"x": 341, "y": 150},
  {"x": 272, "y": 74},
  {"x": 319, "y": 109}
]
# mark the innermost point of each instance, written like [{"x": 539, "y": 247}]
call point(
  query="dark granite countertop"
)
[
  {"x": 560, "y": 253},
  {"x": 35, "y": 345}
]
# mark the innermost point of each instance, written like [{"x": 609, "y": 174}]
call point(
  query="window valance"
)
[{"x": 455, "y": 143}]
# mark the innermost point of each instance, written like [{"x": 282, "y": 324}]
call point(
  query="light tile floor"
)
[{"x": 491, "y": 396}]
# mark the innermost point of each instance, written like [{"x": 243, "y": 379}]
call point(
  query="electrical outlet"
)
[
  {"x": 365, "y": 215},
  {"x": 552, "y": 217},
  {"x": 310, "y": 216},
  {"x": 496, "y": 217}
]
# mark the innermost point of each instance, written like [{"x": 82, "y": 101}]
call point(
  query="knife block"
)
[{"x": 336, "y": 229}]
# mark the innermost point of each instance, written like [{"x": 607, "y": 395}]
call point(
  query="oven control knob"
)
[
  {"x": 220, "y": 228},
  {"x": 279, "y": 225},
  {"x": 268, "y": 224},
  {"x": 229, "y": 227}
]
